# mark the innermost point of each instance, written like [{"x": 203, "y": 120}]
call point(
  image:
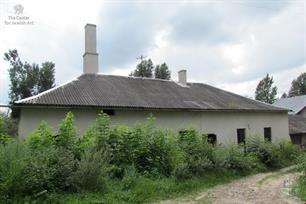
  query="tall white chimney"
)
[
  {"x": 182, "y": 77},
  {"x": 90, "y": 57}
]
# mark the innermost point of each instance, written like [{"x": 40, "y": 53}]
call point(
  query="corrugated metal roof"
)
[
  {"x": 295, "y": 104},
  {"x": 297, "y": 124},
  {"x": 131, "y": 92}
]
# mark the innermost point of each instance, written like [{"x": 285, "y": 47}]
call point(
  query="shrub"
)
[
  {"x": 274, "y": 155},
  {"x": 197, "y": 154},
  {"x": 12, "y": 168},
  {"x": 27, "y": 172},
  {"x": 302, "y": 163},
  {"x": 155, "y": 154},
  {"x": 67, "y": 133},
  {"x": 8, "y": 125},
  {"x": 101, "y": 130},
  {"x": 145, "y": 147},
  {"x": 130, "y": 178},
  {"x": 91, "y": 171},
  {"x": 41, "y": 137},
  {"x": 233, "y": 158},
  {"x": 50, "y": 169},
  {"x": 4, "y": 136},
  {"x": 289, "y": 153},
  {"x": 268, "y": 153},
  {"x": 87, "y": 141}
]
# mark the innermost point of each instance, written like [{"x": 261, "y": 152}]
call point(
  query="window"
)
[
  {"x": 267, "y": 134},
  {"x": 109, "y": 112},
  {"x": 241, "y": 136},
  {"x": 212, "y": 139}
]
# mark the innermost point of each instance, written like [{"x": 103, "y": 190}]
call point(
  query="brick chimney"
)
[
  {"x": 182, "y": 77},
  {"x": 90, "y": 57}
]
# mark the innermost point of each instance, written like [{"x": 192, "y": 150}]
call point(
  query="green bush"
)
[
  {"x": 8, "y": 125},
  {"x": 50, "y": 169},
  {"x": 197, "y": 154},
  {"x": 67, "y": 134},
  {"x": 268, "y": 153},
  {"x": 155, "y": 153},
  {"x": 234, "y": 158},
  {"x": 4, "y": 134},
  {"x": 302, "y": 163},
  {"x": 41, "y": 136},
  {"x": 289, "y": 153},
  {"x": 145, "y": 147},
  {"x": 13, "y": 164},
  {"x": 91, "y": 171}
]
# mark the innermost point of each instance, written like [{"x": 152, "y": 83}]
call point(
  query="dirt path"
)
[{"x": 265, "y": 188}]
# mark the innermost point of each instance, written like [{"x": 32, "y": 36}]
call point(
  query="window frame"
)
[
  {"x": 268, "y": 134},
  {"x": 212, "y": 138},
  {"x": 240, "y": 131}
]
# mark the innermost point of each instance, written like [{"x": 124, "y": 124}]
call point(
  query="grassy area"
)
[
  {"x": 143, "y": 190},
  {"x": 300, "y": 188}
]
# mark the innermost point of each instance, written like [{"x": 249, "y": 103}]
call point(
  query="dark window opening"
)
[
  {"x": 212, "y": 139},
  {"x": 241, "y": 136},
  {"x": 109, "y": 112},
  {"x": 268, "y": 134}
]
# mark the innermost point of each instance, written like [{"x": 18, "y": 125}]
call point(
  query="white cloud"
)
[{"x": 229, "y": 44}]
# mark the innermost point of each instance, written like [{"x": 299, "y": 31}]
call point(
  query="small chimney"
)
[
  {"x": 90, "y": 57},
  {"x": 182, "y": 77}
]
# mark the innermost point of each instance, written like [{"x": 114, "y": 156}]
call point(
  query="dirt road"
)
[{"x": 265, "y": 188}]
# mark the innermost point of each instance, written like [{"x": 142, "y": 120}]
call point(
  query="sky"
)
[{"x": 230, "y": 44}]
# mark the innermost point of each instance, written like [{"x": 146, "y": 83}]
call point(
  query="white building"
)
[{"x": 221, "y": 114}]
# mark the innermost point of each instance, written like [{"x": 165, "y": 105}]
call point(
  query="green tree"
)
[
  {"x": 298, "y": 86},
  {"x": 265, "y": 91},
  {"x": 28, "y": 79},
  {"x": 162, "y": 72},
  {"x": 144, "y": 68},
  {"x": 46, "y": 76},
  {"x": 8, "y": 125}
]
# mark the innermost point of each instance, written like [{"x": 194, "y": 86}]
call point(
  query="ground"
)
[{"x": 264, "y": 188}]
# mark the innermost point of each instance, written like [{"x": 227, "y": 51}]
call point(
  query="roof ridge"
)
[{"x": 132, "y": 77}]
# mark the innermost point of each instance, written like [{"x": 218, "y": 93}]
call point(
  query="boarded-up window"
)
[
  {"x": 241, "y": 136},
  {"x": 267, "y": 134},
  {"x": 212, "y": 139}
]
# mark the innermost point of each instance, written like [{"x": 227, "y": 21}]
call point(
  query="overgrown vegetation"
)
[
  {"x": 300, "y": 186},
  {"x": 119, "y": 164}
]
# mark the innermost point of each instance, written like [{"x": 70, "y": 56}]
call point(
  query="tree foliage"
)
[
  {"x": 162, "y": 72},
  {"x": 265, "y": 91},
  {"x": 298, "y": 86},
  {"x": 28, "y": 79},
  {"x": 144, "y": 68},
  {"x": 8, "y": 125}
]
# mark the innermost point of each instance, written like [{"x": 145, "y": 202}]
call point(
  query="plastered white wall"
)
[{"x": 223, "y": 124}]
